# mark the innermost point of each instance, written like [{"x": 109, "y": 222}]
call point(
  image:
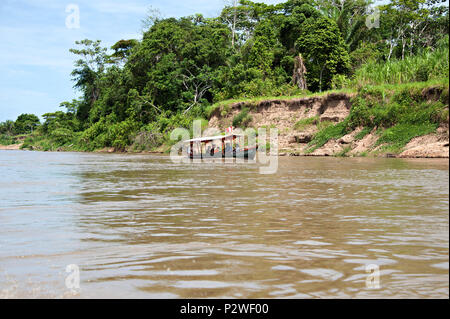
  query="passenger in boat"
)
[{"x": 228, "y": 148}]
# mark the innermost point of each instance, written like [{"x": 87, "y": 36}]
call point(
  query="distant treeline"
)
[{"x": 183, "y": 66}]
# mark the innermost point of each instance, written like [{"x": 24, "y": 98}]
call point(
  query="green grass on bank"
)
[
  {"x": 304, "y": 123},
  {"x": 400, "y": 113},
  {"x": 395, "y": 138},
  {"x": 330, "y": 132},
  {"x": 363, "y": 133},
  {"x": 40, "y": 142}
]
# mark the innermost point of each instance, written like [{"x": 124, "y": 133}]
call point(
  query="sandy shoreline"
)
[
  {"x": 406, "y": 154},
  {"x": 11, "y": 147}
]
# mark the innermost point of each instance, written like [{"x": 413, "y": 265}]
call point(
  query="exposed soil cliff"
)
[
  {"x": 299, "y": 119},
  {"x": 284, "y": 114}
]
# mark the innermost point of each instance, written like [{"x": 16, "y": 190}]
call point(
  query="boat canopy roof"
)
[{"x": 212, "y": 138}]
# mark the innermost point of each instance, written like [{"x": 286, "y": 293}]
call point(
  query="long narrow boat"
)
[{"x": 206, "y": 147}]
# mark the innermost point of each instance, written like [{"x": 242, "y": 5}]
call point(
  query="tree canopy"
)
[
  {"x": 26, "y": 123},
  {"x": 182, "y": 66}
]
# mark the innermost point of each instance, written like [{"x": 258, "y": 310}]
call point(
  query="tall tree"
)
[
  {"x": 87, "y": 72},
  {"x": 26, "y": 123},
  {"x": 325, "y": 52},
  {"x": 7, "y": 127},
  {"x": 410, "y": 24},
  {"x": 350, "y": 16},
  {"x": 122, "y": 50}
]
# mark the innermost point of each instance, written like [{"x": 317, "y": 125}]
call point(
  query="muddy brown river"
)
[{"x": 140, "y": 226}]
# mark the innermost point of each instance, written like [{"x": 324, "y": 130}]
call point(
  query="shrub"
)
[
  {"x": 243, "y": 118},
  {"x": 61, "y": 136},
  {"x": 6, "y": 139},
  {"x": 339, "y": 81}
]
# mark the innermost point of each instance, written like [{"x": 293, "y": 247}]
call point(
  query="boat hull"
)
[{"x": 246, "y": 154}]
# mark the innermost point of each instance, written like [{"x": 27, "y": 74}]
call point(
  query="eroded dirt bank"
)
[{"x": 299, "y": 119}]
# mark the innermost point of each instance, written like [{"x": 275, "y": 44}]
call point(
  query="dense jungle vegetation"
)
[{"x": 135, "y": 93}]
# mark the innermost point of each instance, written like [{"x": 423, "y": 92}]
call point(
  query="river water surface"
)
[{"x": 140, "y": 226}]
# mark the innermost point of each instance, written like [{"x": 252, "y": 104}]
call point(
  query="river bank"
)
[
  {"x": 428, "y": 146},
  {"x": 10, "y": 147},
  {"x": 408, "y": 121},
  {"x": 391, "y": 121}
]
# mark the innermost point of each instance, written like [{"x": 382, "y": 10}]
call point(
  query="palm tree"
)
[{"x": 349, "y": 15}]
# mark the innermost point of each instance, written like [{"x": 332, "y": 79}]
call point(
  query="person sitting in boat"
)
[{"x": 228, "y": 148}]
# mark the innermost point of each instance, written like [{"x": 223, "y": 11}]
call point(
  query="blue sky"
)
[{"x": 35, "y": 62}]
